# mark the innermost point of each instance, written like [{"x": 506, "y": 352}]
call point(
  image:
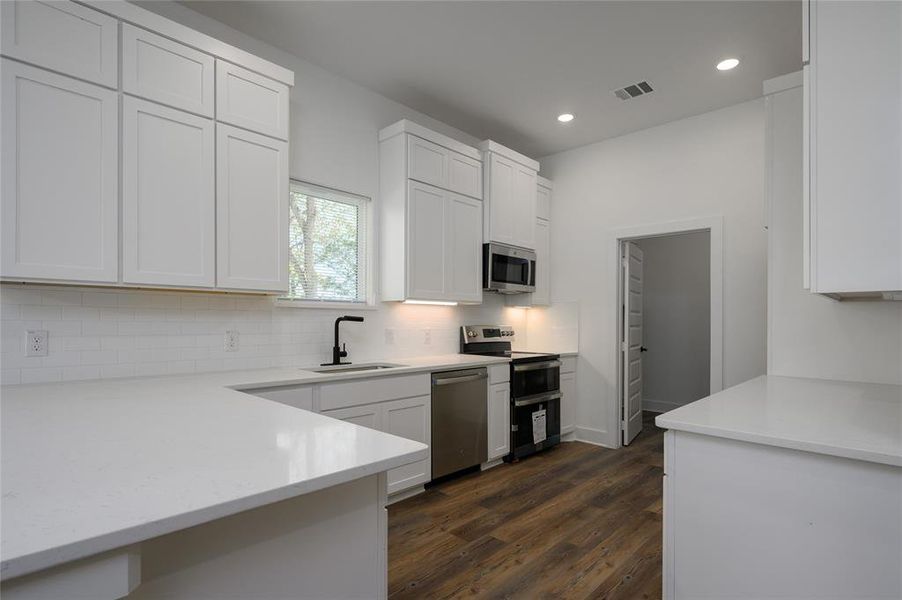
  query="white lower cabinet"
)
[
  {"x": 251, "y": 211},
  {"x": 499, "y": 420},
  {"x": 60, "y": 177},
  {"x": 409, "y": 418},
  {"x": 168, "y": 203}
]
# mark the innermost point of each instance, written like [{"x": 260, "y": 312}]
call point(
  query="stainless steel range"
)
[{"x": 535, "y": 380}]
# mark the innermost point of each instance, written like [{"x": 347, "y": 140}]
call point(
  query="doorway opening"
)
[{"x": 670, "y": 306}]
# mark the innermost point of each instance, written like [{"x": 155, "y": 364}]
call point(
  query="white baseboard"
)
[{"x": 596, "y": 437}]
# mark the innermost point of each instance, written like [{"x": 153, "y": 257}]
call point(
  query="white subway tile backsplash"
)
[{"x": 125, "y": 333}]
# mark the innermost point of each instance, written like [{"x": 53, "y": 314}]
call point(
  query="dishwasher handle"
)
[{"x": 458, "y": 377}]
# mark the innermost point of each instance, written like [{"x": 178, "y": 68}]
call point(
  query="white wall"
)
[
  {"x": 96, "y": 333},
  {"x": 811, "y": 335},
  {"x": 708, "y": 165},
  {"x": 676, "y": 301}
]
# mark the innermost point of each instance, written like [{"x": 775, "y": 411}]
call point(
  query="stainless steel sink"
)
[{"x": 352, "y": 368}]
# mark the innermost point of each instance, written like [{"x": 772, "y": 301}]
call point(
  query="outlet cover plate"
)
[{"x": 36, "y": 343}]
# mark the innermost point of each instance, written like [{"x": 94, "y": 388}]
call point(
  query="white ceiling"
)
[{"x": 505, "y": 70}]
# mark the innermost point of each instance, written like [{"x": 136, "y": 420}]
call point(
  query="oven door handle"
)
[
  {"x": 537, "y": 399},
  {"x": 548, "y": 364}
]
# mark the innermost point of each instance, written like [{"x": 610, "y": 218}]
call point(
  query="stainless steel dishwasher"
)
[{"x": 459, "y": 421}]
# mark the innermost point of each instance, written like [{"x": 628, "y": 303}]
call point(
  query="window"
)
[{"x": 327, "y": 245}]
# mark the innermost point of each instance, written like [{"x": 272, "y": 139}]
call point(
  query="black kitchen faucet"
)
[{"x": 339, "y": 353}]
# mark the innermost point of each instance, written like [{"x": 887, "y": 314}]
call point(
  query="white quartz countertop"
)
[
  {"x": 95, "y": 465},
  {"x": 861, "y": 421}
]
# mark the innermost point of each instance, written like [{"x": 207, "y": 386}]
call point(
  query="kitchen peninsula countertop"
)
[{"x": 94, "y": 465}]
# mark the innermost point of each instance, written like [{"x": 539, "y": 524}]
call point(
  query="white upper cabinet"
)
[
  {"x": 251, "y": 101},
  {"x": 64, "y": 158},
  {"x": 431, "y": 216},
  {"x": 168, "y": 203},
  {"x": 444, "y": 168},
  {"x": 854, "y": 147},
  {"x": 542, "y": 295},
  {"x": 510, "y": 196},
  {"x": 60, "y": 176},
  {"x": 159, "y": 69},
  {"x": 61, "y": 36},
  {"x": 251, "y": 211}
]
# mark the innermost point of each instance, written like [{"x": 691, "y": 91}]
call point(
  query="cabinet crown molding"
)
[
  {"x": 408, "y": 126},
  {"x": 492, "y": 146}
]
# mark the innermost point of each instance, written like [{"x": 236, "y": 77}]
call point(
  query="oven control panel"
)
[{"x": 487, "y": 333}]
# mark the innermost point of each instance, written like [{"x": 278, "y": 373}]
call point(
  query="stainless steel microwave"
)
[{"x": 508, "y": 269}]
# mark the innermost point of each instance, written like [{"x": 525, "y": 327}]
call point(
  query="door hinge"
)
[
  {"x": 515, "y": 428},
  {"x": 623, "y": 347}
]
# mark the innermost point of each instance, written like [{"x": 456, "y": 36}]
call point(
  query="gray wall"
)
[{"x": 677, "y": 320}]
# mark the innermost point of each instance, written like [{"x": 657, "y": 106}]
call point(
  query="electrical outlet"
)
[
  {"x": 427, "y": 337},
  {"x": 36, "y": 343},
  {"x": 389, "y": 337},
  {"x": 231, "y": 340}
]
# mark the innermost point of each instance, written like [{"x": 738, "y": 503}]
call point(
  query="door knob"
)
[{"x": 643, "y": 349}]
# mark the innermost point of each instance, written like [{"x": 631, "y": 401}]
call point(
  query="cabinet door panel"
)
[
  {"x": 856, "y": 149},
  {"x": 63, "y": 36},
  {"x": 523, "y": 210},
  {"x": 410, "y": 419},
  {"x": 542, "y": 295},
  {"x": 568, "y": 402},
  {"x": 60, "y": 177},
  {"x": 464, "y": 251},
  {"x": 159, "y": 69},
  {"x": 369, "y": 416},
  {"x": 543, "y": 203},
  {"x": 426, "y": 232},
  {"x": 464, "y": 175},
  {"x": 251, "y": 211},
  {"x": 501, "y": 199},
  {"x": 251, "y": 101},
  {"x": 168, "y": 204},
  {"x": 499, "y": 420},
  {"x": 427, "y": 162}
]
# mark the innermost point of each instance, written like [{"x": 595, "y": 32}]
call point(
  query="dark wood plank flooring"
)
[{"x": 577, "y": 521}]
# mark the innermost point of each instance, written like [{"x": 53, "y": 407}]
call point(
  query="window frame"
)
[{"x": 365, "y": 258}]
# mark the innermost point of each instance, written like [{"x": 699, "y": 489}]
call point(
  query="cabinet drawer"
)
[
  {"x": 499, "y": 373},
  {"x": 568, "y": 364},
  {"x": 159, "y": 69},
  {"x": 62, "y": 36},
  {"x": 368, "y": 391},
  {"x": 369, "y": 416},
  {"x": 298, "y": 397},
  {"x": 251, "y": 101}
]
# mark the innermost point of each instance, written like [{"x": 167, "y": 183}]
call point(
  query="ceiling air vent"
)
[{"x": 634, "y": 91}]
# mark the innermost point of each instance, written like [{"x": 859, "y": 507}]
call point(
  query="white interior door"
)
[{"x": 631, "y": 341}]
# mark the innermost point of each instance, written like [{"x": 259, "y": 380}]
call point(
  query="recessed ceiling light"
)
[
  {"x": 727, "y": 64},
  {"x": 565, "y": 118}
]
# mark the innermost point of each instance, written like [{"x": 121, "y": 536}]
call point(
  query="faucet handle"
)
[{"x": 344, "y": 350}]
